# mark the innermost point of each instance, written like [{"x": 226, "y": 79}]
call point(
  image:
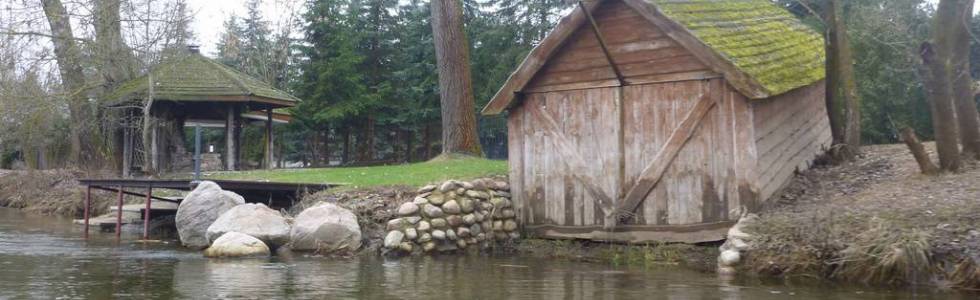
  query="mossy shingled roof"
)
[
  {"x": 193, "y": 77},
  {"x": 760, "y": 38}
]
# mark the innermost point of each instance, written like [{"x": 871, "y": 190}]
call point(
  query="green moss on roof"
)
[
  {"x": 193, "y": 77},
  {"x": 760, "y": 38}
]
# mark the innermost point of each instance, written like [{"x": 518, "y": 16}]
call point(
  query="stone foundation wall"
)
[{"x": 454, "y": 215}]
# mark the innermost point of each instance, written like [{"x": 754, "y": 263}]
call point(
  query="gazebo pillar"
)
[
  {"x": 269, "y": 138},
  {"x": 231, "y": 149}
]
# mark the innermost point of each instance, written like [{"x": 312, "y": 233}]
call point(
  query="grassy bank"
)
[
  {"x": 877, "y": 221},
  {"x": 416, "y": 174}
]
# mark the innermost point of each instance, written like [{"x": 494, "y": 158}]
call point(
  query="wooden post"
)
[
  {"x": 231, "y": 157},
  {"x": 127, "y": 151},
  {"x": 146, "y": 214},
  {"x": 88, "y": 204},
  {"x": 119, "y": 208},
  {"x": 154, "y": 159},
  {"x": 269, "y": 142}
]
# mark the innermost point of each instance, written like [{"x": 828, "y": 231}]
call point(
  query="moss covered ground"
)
[{"x": 416, "y": 174}]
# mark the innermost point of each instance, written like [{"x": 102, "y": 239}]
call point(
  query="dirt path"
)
[{"x": 875, "y": 220}]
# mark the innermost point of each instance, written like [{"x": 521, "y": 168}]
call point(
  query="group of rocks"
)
[
  {"x": 735, "y": 246},
  {"x": 454, "y": 215},
  {"x": 222, "y": 222}
]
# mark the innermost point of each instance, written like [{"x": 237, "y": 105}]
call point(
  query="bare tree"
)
[
  {"x": 459, "y": 134},
  {"x": 68, "y": 56},
  {"x": 937, "y": 63},
  {"x": 966, "y": 107},
  {"x": 844, "y": 102}
]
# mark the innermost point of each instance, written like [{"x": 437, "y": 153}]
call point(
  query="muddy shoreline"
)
[{"x": 874, "y": 221}]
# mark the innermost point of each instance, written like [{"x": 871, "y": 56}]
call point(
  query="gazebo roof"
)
[{"x": 194, "y": 78}]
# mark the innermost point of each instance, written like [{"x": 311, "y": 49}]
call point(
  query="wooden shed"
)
[{"x": 662, "y": 120}]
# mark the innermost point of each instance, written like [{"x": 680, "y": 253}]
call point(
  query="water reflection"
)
[{"x": 46, "y": 260}]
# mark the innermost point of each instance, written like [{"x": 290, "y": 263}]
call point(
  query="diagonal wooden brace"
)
[{"x": 654, "y": 172}]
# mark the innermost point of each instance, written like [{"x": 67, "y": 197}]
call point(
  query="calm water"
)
[{"x": 45, "y": 258}]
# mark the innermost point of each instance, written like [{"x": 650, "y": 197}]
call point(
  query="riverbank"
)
[
  {"x": 876, "y": 221},
  {"x": 49, "y": 192}
]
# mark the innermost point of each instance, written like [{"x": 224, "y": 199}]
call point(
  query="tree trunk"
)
[
  {"x": 345, "y": 158},
  {"x": 935, "y": 78},
  {"x": 834, "y": 111},
  {"x": 408, "y": 138},
  {"x": 326, "y": 146},
  {"x": 845, "y": 85},
  {"x": 427, "y": 142},
  {"x": 68, "y": 56},
  {"x": 919, "y": 152},
  {"x": 459, "y": 134},
  {"x": 115, "y": 62},
  {"x": 315, "y": 149},
  {"x": 966, "y": 106},
  {"x": 365, "y": 142}
]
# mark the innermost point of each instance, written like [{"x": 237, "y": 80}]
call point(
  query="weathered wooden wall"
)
[
  {"x": 552, "y": 181},
  {"x": 643, "y": 53},
  {"x": 578, "y": 142},
  {"x": 697, "y": 186},
  {"x": 791, "y": 130}
]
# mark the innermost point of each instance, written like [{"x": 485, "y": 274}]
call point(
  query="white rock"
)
[
  {"x": 451, "y": 207},
  {"x": 236, "y": 244},
  {"x": 729, "y": 258},
  {"x": 510, "y": 225},
  {"x": 439, "y": 235},
  {"x": 256, "y": 220},
  {"x": 199, "y": 209},
  {"x": 466, "y": 205},
  {"x": 420, "y": 201},
  {"x": 393, "y": 239},
  {"x": 447, "y": 186},
  {"x": 424, "y": 226},
  {"x": 425, "y": 237},
  {"x": 426, "y": 189},
  {"x": 469, "y": 219},
  {"x": 739, "y": 245},
  {"x": 432, "y": 211},
  {"x": 451, "y": 234},
  {"x": 326, "y": 226},
  {"x": 408, "y": 209},
  {"x": 411, "y": 234}
]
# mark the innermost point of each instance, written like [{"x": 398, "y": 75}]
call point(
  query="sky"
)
[{"x": 211, "y": 14}]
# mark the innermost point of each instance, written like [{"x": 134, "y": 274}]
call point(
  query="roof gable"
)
[
  {"x": 194, "y": 77},
  {"x": 760, "y": 48}
]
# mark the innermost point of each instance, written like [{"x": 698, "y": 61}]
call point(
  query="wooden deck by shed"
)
[{"x": 662, "y": 120}]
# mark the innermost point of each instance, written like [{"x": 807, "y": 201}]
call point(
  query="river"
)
[{"x": 46, "y": 258}]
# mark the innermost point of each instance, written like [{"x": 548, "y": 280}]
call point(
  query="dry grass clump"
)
[
  {"x": 884, "y": 255},
  {"x": 966, "y": 274},
  {"x": 49, "y": 192},
  {"x": 875, "y": 221}
]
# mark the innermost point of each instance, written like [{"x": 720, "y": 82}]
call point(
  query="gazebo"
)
[{"x": 193, "y": 90}]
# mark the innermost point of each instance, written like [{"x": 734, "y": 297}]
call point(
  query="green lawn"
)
[{"x": 358, "y": 177}]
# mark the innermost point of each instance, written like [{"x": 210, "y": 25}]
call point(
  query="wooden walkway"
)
[{"x": 273, "y": 194}]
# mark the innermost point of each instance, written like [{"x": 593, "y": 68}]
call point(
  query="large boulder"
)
[
  {"x": 256, "y": 220},
  {"x": 199, "y": 209},
  {"x": 236, "y": 244},
  {"x": 326, "y": 227}
]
